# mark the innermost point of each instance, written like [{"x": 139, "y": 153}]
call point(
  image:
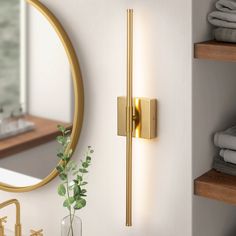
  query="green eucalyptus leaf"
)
[
  {"x": 66, "y": 203},
  {"x": 84, "y": 183},
  {"x": 85, "y": 164},
  {"x": 76, "y": 190},
  {"x": 61, "y": 190},
  {"x": 61, "y": 128},
  {"x": 79, "y": 189},
  {"x": 71, "y": 200},
  {"x": 63, "y": 176},
  {"x": 80, "y": 204},
  {"x": 61, "y": 140},
  {"x": 66, "y": 159},
  {"x": 84, "y": 171},
  {"x": 83, "y": 191},
  {"x": 67, "y": 140},
  {"x": 88, "y": 158},
  {"x": 77, "y": 197},
  {"x": 60, "y": 155},
  {"x": 79, "y": 178},
  {"x": 60, "y": 168}
]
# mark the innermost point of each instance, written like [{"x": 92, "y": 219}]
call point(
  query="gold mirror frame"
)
[{"x": 78, "y": 92}]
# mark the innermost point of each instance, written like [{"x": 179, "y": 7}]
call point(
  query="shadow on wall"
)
[{"x": 232, "y": 232}]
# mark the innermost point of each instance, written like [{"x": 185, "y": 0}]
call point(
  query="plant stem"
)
[{"x": 71, "y": 221}]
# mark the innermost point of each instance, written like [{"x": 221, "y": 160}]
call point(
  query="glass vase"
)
[{"x": 71, "y": 226}]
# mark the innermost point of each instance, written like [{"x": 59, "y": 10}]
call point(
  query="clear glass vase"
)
[{"x": 71, "y": 226}]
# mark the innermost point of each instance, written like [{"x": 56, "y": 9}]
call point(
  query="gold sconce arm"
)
[{"x": 137, "y": 117}]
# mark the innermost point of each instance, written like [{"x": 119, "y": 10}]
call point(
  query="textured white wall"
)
[
  {"x": 213, "y": 109},
  {"x": 162, "y": 167}
]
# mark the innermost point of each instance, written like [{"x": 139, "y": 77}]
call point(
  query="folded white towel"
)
[
  {"x": 226, "y": 139},
  {"x": 226, "y": 6},
  {"x": 222, "y": 19},
  {"x": 228, "y": 155}
]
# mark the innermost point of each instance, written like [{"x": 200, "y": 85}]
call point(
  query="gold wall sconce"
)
[{"x": 137, "y": 117}]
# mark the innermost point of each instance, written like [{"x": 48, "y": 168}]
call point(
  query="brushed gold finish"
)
[
  {"x": 78, "y": 92},
  {"x": 136, "y": 117},
  {"x": 145, "y": 124},
  {"x": 2, "y": 220},
  {"x": 129, "y": 117},
  {"x": 36, "y": 233},
  {"x": 17, "y": 204}
]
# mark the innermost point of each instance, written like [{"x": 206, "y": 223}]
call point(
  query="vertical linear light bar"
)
[{"x": 129, "y": 117}]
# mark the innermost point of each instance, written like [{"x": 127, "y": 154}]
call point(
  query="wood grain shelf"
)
[
  {"x": 216, "y": 185},
  {"x": 45, "y": 131},
  {"x": 213, "y": 50}
]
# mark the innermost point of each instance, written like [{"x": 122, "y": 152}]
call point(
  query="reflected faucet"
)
[{"x": 17, "y": 204}]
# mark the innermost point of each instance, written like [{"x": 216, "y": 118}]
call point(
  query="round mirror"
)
[{"x": 41, "y": 88}]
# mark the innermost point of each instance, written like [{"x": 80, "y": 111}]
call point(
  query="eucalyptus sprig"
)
[{"x": 72, "y": 186}]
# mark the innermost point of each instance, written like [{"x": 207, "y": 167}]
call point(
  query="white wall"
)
[
  {"x": 213, "y": 110},
  {"x": 162, "y": 167}
]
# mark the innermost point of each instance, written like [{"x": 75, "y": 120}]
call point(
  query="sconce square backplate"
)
[{"x": 146, "y": 111}]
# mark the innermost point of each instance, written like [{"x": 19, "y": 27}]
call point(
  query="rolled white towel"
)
[
  {"x": 228, "y": 155},
  {"x": 222, "y": 19},
  {"x": 226, "y": 6},
  {"x": 226, "y": 139}
]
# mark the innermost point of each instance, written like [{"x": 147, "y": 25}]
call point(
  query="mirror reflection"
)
[{"x": 36, "y": 94}]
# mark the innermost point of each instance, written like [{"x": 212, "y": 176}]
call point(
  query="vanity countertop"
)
[{"x": 45, "y": 131}]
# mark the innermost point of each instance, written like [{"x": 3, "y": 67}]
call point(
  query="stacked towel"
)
[
  {"x": 228, "y": 155},
  {"x": 226, "y": 6},
  {"x": 224, "y": 18},
  {"x": 226, "y": 139},
  {"x": 220, "y": 165},
  {"x": 226, "y": 161},
  {"x": 225, "y": 35}
]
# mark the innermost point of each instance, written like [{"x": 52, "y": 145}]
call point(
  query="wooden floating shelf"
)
[
  {"x": 213, "y": 50},
  {"x": 213, "y": 184},
  {"x": 216, "y": 185},
  {"x": 45, "y": 131}
]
